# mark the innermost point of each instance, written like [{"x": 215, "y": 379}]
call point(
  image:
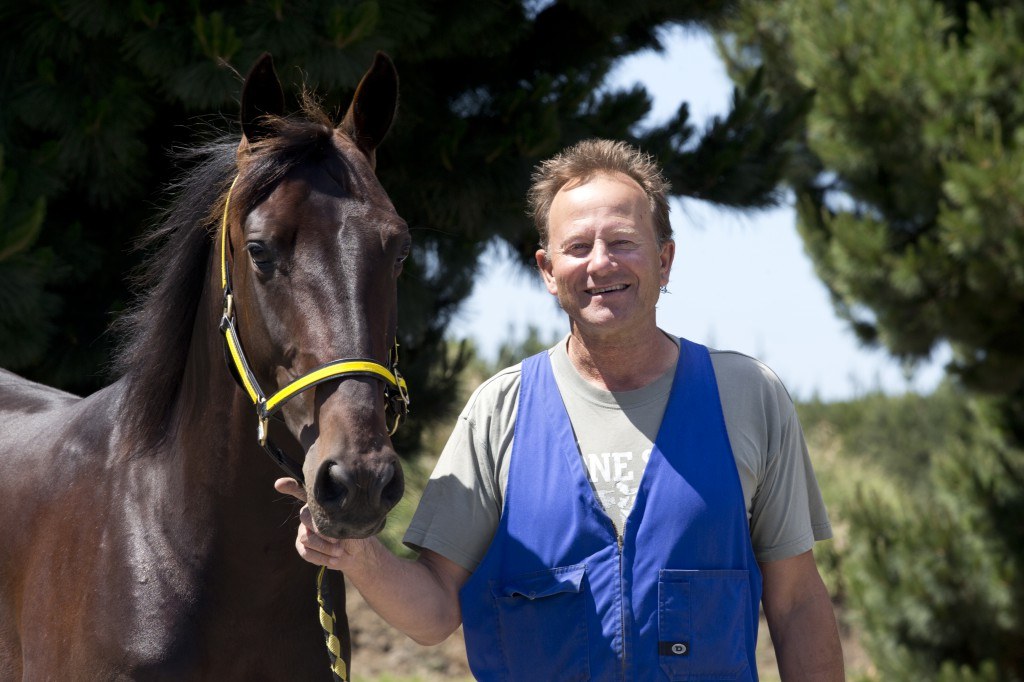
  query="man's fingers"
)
[
  {"x": 313, "y": 547},
  {"x": 309, "y": 538},
  {"x": 306, "y": 517},
  {"x": 289, "y": 486},
  {"x": 312, "y": 555}
]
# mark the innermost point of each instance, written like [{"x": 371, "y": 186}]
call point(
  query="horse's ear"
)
[
  {"x": 373, "y": 106},
  {"x": 261, "y": 96}
]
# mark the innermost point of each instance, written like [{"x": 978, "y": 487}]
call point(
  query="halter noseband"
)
[{"x": 396, "y": 392}]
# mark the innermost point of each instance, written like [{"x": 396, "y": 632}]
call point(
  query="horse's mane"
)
[{"x": 156, "y": 331}]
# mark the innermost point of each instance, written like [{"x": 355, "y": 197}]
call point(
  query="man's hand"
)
[
  {"x": 342, "y": 555},
  {"x": 420, "y": 598},
  {"x": 289, "y": 486}
]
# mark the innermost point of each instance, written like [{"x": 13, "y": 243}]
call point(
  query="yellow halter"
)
[{"x": 395, "y": 389}]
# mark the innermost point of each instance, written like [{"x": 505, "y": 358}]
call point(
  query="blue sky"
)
[{"x": 739, "y": 282}]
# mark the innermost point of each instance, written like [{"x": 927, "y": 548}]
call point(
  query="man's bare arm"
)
[
  {"x": 419, "y": 598},
  {"x": 801, "y": 621}
]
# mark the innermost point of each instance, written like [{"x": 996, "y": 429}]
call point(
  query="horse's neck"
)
[
  {"x": 207, "y": 499},
  {"x": 216, "y": 424}
]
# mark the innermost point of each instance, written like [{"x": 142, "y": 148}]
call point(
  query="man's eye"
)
[{"x": 578, "y": 248}]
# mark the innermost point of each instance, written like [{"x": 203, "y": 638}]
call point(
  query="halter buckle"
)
[
  {"x": 229, "y": 312},
  {"x": 403, "y": 393},
  {"x": 262, "y": 429}
]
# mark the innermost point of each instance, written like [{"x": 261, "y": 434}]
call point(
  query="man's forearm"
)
[
  {"x": 806, "y": 641},
  {"x": 420, "y": 598},
  {"x": 410, "y": 595}
]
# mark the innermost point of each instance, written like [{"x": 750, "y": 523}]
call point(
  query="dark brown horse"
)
[{"x": 140, "y": 535}]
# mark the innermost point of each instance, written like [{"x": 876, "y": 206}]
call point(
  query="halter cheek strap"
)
[{"x": 396, "y": 391}]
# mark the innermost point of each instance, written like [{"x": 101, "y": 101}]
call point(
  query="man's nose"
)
[{"x": 600, "y": 258}]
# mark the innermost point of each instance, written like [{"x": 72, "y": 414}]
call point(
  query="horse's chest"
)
[{"x": 158, "y": 621}]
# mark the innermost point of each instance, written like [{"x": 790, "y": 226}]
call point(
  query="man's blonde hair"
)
[{"x": 588, "y": 158}]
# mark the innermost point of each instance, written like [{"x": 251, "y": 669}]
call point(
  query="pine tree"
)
[
  {"x": 25, "y": 306},
  {"x": 96, "y": 93},
  {"x": 909, "y": 186}
]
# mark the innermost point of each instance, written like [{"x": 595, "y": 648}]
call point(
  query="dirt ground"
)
[{"x": 381, "y": 654}]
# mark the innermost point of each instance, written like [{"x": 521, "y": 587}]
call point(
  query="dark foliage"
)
[
  {"x": 910, "y": 192},
  {"x": 96, "y": 94}
]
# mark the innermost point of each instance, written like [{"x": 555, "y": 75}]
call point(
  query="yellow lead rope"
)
[{"x": 327, "y": 621}]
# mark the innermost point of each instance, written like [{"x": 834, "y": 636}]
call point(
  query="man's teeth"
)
[{"x": 601, "y": 290}]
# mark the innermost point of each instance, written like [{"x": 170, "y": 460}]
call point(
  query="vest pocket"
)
[
  {"x": 702, "y": 624},
  {"x": 543, "y": 620}
]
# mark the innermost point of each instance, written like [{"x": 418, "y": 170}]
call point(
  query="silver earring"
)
[{"x": 664, "y": 289}]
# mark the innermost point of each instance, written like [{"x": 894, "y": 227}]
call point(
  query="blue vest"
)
[{"x": 558, "y": 597}]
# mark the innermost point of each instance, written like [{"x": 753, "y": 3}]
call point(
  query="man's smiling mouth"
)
[{"x": 604, "y": 290}]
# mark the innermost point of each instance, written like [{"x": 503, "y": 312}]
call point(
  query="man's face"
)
[{"x": 603, "y": 261}]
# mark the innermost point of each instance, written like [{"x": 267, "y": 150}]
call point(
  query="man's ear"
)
[
  {"x": 544, "y": 265},
  {"x": 373, "y": 107},
  {"x": 667, "y": 255},
  {"x": 262, "y": 96}
]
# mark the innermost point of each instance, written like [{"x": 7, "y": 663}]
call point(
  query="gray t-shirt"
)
[
  {"x": 615, "y": 431},
  {"x": 461, "y": 505}
]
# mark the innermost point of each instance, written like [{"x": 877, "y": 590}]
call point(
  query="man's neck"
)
[{"x": 622, "y": 363}]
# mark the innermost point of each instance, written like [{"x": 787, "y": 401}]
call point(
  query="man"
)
[{"x": 619, "y": 506}]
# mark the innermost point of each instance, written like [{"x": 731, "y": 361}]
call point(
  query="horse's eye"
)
[
  {"x": 403, "y": 255},
  {"x": 260, "y": 254}
]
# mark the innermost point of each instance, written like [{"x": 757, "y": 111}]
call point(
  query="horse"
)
[{"x": 141, "y": 535}]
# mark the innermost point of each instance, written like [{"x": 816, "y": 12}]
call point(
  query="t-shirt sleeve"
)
[
  {"x": 459, "y": 510},
  {"x": 787, "y": 513}
]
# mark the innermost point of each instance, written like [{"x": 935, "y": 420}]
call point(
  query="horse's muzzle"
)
[{"x": 353, "y": 500}]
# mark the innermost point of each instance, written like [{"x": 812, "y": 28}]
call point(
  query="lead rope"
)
[{"x": 327, "y": 620}]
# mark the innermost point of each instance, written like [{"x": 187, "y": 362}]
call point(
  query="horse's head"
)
[{"x": 313, "y": 251}]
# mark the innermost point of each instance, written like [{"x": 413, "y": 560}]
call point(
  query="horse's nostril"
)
[
  {"x": 332, "y": 486},
  {"x": 393, "y": 487}
]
